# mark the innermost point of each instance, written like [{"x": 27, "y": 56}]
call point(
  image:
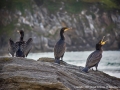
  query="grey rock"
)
[
  {"x": 44, "y": 74},
  {"x": 46, "y": 24}
]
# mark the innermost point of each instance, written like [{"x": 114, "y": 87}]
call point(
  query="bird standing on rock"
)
[
  {"x": 95, "y": 57},
  {"x": 59, "y": 48},
  {"x": 20, "y": 48}
]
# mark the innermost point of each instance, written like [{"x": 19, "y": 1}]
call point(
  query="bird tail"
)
[
  {"x": 57, "y": 60},
  {"x": 85, "y": 69}
]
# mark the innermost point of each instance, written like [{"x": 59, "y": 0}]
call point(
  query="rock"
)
[
  {"x": 45, "y": 59},
  {"x": 38, "y": 20},
  {"x": 44, "y": 74}
]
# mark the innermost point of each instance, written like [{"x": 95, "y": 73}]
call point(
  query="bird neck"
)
[
  {"x": 21, "y": 35},
  {"x": 99, "y": 50},
  {"x": 98, "y": 47},
  {"x": 62, "y": 36},
  {"x": 21, "y": 38}
]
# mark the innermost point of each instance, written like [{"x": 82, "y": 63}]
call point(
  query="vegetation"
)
[
  {"x": 107, "y": 4},
  {"x": 71, "y": 6},
  {"x": 12, "y": 5},
  {"x": 9, "y": 28},
  {"x": 110, "y": 4},
  {"x": 74, "y": 6},
  {"x": 15, "y": 4},
  {"x": 52, "y": 6}
]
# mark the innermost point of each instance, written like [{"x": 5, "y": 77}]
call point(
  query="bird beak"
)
[
  {"x": 67, "y": 29},
  {"x": 103, "y": 42}
]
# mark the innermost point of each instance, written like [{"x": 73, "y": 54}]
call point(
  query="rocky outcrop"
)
[
  {"x": 89, "y": 26},
  {"x": 44, "y": 74}
]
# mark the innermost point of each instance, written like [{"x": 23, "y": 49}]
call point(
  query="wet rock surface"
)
[{"x": 44, "y": 74}]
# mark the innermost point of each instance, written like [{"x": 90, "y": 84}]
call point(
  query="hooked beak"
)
[
  {"x": 102, "y": 41},
  {"x": 67, "y": 29}
]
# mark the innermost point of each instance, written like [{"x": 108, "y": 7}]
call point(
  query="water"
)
[{"x": 110, "y": 62}]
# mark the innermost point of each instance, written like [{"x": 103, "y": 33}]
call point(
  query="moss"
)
[{"x": 5, "y": 59}]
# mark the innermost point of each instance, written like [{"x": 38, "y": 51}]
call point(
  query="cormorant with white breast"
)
[
  {"x": 95, "y": 57},
  {"x": 59, "y": 48},
  {"x": 20, "y": 48}
]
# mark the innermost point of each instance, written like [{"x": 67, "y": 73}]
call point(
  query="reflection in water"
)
[{"x": 110, "y": 62}]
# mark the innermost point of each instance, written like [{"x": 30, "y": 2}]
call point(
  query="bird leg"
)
[
  {"x": 96, "y": 67},
  {"x": 57, "y": 60},
  {"x": 62, "y": 57},
  {"x": 92, "y": 69}
]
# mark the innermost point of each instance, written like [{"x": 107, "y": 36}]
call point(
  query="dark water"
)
[{"x": 110, "y": 62}]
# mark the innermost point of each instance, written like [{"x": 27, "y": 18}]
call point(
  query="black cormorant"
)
[
  {"x": 20, "y": 48},
  {"x": 95, "y": 57},
  {"x": 59, "y": 48}
]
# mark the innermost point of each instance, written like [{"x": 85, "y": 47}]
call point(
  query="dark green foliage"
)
[
  {"x": 75, "y": 7},
  {"x": 15, "y": 4},
  {"x": 107, "y": 4},
  {"x": 72, "y": 6},
  {"x": 52, "y": 6},
  {"x": 8, "y": 29},
  {"x": 12, "y": 5},
  {"x": 110, "y": 4}
]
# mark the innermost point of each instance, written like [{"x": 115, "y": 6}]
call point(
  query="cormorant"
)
[
  {"x": 59, "y": 48},
  {"x": 95, "y": 57},
  {"x": 20, "y": 48}
]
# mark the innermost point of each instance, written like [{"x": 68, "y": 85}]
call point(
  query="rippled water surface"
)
[{"x": 110, "y": 62}]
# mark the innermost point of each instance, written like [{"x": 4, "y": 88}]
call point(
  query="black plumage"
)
[
  {"x": 95, "y": 57},
  {"x": 20, "y": 48},
  {"x": 59, "y": 48}
]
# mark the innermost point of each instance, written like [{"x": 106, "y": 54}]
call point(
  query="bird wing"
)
[
  {"x": 59, "y": 48},
  {"x": 27, "y": 47},
  {"x": 93, "y": 58},
  {"x": 11, "y": 47}
]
